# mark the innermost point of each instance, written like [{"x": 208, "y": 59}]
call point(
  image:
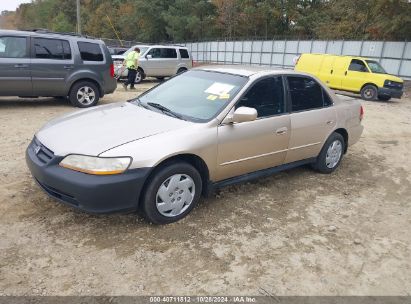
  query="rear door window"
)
[
  {"x": 184, "y": 54},
  {"x": 13, "y": 47},
  {"x": 266, "y": 96},
  {"x": 51, "y": 49},
  {"x": 357, "y": 66},
  {"x": 306, "y": 94},
  {"x": 90, "y": 51}
]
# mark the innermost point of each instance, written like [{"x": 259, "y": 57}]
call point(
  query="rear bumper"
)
[
  {"x": 90, "y": 193},
  {"x": 110, "y": 86},
  {"x": 388, "y": 92}
]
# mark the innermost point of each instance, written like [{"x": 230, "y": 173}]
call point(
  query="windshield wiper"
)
[
  {"x": 138, "y": 102},
  {"x": 165, "y": 110}
]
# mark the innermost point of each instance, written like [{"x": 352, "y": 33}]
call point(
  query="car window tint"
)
[
  {"x": 305, "y": 93},
  {"x": 51, "y": 49},
  {"x": 266, "y": 96},
  {"x": 90, "y": 51},
  {"x": 13, "y": 47},
  {"x": 358, "y": 66},
  {"x": 184, "y": 53},
  {"x": 169, "y": 53}
]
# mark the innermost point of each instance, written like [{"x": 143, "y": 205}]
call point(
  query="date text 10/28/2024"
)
[{"x": 203, "y": 299}]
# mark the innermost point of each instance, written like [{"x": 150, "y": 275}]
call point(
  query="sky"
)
[{"x": 11, "y": 5}]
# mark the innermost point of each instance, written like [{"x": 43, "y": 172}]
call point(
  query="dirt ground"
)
[{"x": 295, "y": 233}]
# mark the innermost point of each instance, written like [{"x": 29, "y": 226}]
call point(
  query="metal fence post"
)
[
  {"x": 402, "y": 57},
  {"x": 272, "y": 53},
  {"x": 285, "y": 48},
  {"x": 342, "y": 47},
  {"x": 362, "y": 44},
  {"x": 242, "y": 51},
  {"x": 311, "y": 46},
  {"x": 232, "y": 57},
  {"x": 382, "y": 50},
  {"x": 261, "y": 51},
  {"x": 326, "y": 47},
  {"x": 251, "y": 51}
]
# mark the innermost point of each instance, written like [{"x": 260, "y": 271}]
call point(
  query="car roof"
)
[
  {"x": 245, "y": 70},
  {"x": 50, "y": 34}
]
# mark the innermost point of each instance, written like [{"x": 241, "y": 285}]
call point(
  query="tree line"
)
[{"x": 194, "y": 20}]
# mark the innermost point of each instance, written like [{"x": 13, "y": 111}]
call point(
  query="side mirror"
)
[
  {"x": 242, "y": 114},
  {"x": 149, "y": 56}
]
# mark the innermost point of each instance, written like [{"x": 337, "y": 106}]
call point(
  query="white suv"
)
[{"x": 156, "y": 61}]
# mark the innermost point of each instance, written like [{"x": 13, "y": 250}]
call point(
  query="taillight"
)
[
  {"x": 112, "y": 70},
  {"x": 361, "y": 113}
]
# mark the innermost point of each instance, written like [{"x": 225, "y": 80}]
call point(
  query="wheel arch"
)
[
  {"x": 343, "y": 132},
  {"x": 369, "y": 83},
  {"x": 192, "y": 159},
  {"x": 100, "y": 89}
]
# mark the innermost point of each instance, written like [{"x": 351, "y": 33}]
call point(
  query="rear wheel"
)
[
  {"x": 172, "y": 192},
  {"x": 181, "y": 70},
  {"x": 84, "y": 94},
  {"x": 139, "y": 76},
  {"x": 369, "y": 92},
  {"x": 331, "y": 154}
]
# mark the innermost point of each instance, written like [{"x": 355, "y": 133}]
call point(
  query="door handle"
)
[
  {"x": 330, "y": 122},
  {"x": 68, "y": 67},
  {"x": 281, "y": 131},
  {"x": 332, "y": 71},
  {"x": 345, "y": 73},
  {"x": 21, "y": 66}
]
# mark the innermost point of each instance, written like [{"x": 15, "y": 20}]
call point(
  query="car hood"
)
[{"x": 95, "y": 130}]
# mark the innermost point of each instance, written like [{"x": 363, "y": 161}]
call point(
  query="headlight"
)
[{"x": 96, "y": 165}]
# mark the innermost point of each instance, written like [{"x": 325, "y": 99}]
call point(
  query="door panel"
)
[
  {"x": 312, "y": 118},
  {"x": 252, "y": 146},
  {"x": 52, "y": 64},
  {"x": 340, "y": 66},
  {"x": 309, "y": 131},
  {"x": 356, "y": 76},
  {"x": 326, "y": 71},
  {"x": 15, "y": 64}
]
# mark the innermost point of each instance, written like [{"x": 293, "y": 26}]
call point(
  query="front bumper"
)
[
  {"x": 395, "y": 93},
  {"x": 90, "y": 193}
]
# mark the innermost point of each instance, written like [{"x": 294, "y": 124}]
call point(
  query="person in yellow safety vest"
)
[{"x": 131, "y": 62}]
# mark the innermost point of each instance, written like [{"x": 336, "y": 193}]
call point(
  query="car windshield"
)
[
  {"x": 195, "y": 95},
  {"x": 375, "y": 67},
  {"x": 143, "y": 49}
]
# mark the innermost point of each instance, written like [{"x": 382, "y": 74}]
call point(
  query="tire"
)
[
  {"x": 384, "y": 98},
  {"x": 79, "y": 90},
  {"x": 181, "y": 70},
  {"x": 330, "y": 156},
  {"x": 158, "y": 208},
  {"x": 139, "y": 76},
  {"x": 369, "y": 92}
]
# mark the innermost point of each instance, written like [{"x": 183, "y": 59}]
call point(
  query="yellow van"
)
[{"x": 353, "y": 74}]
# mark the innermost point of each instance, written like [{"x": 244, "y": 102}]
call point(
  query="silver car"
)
[
  {"x": 158, "y": 61},
  {"x": 198, "y": 131}
]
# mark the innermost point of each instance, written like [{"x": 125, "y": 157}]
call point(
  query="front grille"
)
[
  {"x": 394, "y": 85},
  {"x": 44, "y": 154}
]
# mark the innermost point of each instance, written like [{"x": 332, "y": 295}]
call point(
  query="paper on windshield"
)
[{"x": 219, "y": 89}]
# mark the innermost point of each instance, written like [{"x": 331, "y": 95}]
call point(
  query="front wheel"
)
[
  {"x": 369, "y": 92},
  {"x": 172, "y": 192},
  {"x": 181, "y": 70},
  {"x": 84, "y": 94},
  {"x": 331, "y": 154}
]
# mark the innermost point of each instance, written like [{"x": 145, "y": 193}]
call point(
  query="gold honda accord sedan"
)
[{"x": 201, "y": 130}]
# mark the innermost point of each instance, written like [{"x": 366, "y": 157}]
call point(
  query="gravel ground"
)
[{"x": 295, "y": 233}]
